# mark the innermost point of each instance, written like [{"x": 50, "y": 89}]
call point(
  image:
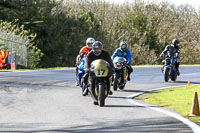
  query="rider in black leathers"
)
[
  {"x": 173, "y": 50},
  {"x": 97, "y": 53}
]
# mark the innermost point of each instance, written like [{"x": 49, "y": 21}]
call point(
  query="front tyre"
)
[
  {"x": 84, "y": 88},
  {"x": 115, "y": 84},
  {"x": 166, "y": 75},
  {"x": 101, "y": 95},
  {"x": 122, "y": 86}
]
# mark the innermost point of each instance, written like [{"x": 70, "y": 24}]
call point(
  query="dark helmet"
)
[
  {"x": 123, "y": 46},
  {"x": 97, "y": 48},
  {"x": 175, "y": 42}
]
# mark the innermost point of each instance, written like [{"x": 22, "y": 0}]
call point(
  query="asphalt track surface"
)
[{"x": 49, "y": 101}]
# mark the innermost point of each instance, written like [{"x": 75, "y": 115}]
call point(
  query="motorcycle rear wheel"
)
[{"x": 174, "y": 76}]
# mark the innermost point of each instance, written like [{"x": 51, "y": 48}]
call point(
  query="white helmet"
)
[
  {"x": 123, "y": 46},
  {"x": 89, "y": 42}
]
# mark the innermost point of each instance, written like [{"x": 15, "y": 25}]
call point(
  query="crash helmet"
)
[
  {"x": 175, "y": 42},
  {"x": 123, "y": 46},
  {"x": 89, "y": 42},
  {"x": 97, "y": 48}
]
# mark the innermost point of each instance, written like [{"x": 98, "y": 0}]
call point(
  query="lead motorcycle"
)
[
  {"x": 169, "y": 70},
  {"x": 100, "y": 73},
  {"x": 121, "y": 72}
]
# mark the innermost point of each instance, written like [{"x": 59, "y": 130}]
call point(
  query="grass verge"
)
[{"x": 178, "y": 99}]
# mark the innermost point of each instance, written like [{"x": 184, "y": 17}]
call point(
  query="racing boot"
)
[
  {"x": 110, "y": 92},
  {"x": 95, "y": 103},
  {"x": 112, "y": 80},
  {"x": 128, "y": 78},
  {"x": 178, "y": 73},
  {"x": 77, "y": 83}
]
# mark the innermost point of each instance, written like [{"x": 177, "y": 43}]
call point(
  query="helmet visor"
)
[
  {"x": 97, "y": 51},
  {"x": 123, "y": 47},
  {"x": 89, "y": 45}
]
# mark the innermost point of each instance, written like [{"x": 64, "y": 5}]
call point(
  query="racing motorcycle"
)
[
  {"x": 100, "y": 73},
  {"x": 169, "y": 69},
  {"x": 121, "y": 72},
  {"x": 80, "y": 73}
]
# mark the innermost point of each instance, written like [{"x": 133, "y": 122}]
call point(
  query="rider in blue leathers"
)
[{"x": 123, "y": 51}]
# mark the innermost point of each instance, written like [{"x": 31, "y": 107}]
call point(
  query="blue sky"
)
[{"x": 194, "y": 3}]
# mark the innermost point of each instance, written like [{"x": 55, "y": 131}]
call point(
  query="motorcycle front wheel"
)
[
  {"x": 102, "y": 95},
  {"x": 166, "y": 75},
  {"x": 122, "y": 86},
  {"x": 115, "y": 84},
  {"x": 84, "y": 88}
]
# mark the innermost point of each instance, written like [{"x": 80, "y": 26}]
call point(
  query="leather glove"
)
[
  {"x": 128, "y": 64},
  {"x": 161, "y": 55}
]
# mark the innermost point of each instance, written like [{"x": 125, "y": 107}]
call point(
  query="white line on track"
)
[{"x": 195, "y": 128}]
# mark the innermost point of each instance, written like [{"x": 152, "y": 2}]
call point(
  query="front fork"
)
[
  {"x": 167, "y": 68},
  {"x": 120, "y": 77}
]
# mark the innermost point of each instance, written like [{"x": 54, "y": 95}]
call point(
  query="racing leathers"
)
[
  {"x": 172, "y": 51},
  {"x": 104, "y": 55},
  {"x": 90, "y": 58},
  {"x": 126, "y": 54},
  {"x": 83, "y": 51}
]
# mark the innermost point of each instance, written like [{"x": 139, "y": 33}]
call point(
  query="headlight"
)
[{"x": 118, "y": 64}]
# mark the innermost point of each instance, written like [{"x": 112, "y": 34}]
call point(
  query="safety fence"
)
[{"x": 16, "y": 48}]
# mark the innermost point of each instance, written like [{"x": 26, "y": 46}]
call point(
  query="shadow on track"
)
[{"x": 156, "y": 125}]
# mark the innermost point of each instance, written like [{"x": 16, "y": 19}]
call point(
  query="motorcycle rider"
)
[
  {"x": 173, "y": 50},
  {"x": 123, "y": 51},
  {"x": 86, "y": 49},
  {"x": 97, "y": 53}
]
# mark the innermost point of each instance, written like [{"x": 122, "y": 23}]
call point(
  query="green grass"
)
[{"x": 178, "y": 99}]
